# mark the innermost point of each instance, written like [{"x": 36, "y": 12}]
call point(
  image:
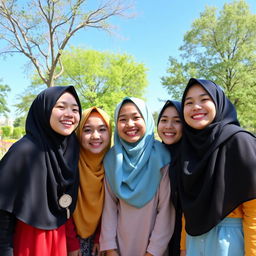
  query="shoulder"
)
[
  {"x": 241, "y": 148},
  {"x": 165, "y": 171},
  {"x": 242, "y": 139},
  {"x": 21, "y": 150}
]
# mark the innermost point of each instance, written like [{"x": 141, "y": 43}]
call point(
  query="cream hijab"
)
[{"x": 91, "y": 188}]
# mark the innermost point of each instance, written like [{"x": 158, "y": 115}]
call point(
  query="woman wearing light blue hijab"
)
[{"x": 138, "y": 218}]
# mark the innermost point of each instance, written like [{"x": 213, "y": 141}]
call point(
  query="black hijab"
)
[
  {"x": 177, "y": 105},
  {"x": 40, "y": 167},
  {"x": 174, "y": 244},
  {"x": 217, "y": 165}
]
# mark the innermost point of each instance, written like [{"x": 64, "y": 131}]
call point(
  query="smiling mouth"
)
[
  {"x": 131, "y": 133},
  {"x": 198, "y": 116},
  {"x": 95, "y": 144},
  {"x": 67, "y": 122},
  {"x": 169, "y": 134}
]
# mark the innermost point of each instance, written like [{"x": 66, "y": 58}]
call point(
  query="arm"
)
[
  {"x": 183, "y": 238},
  {"x": 249, "y": 227},
  {"x": 7, "y": 224},
  {"x": 165, "y": 219},
  {"x": 109, "y": 221},
  {"x": 73, "y": 244}
]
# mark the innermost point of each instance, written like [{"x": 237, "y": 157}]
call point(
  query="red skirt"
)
[{"x": 30, "y": 241}]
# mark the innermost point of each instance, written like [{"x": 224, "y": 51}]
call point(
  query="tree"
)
[
  {"x": 220, "y": 47},
  {"x": 102, "y": 78},
  {"x": 25, "y": 100},
  {"x": 4, "y": 89},
  {"x": 42, "y": 33}
]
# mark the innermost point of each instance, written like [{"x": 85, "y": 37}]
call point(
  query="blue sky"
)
[{"x": 151, "y": 37}]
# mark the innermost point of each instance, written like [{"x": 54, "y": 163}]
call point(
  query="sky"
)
[{"x": 154, "y": 34}]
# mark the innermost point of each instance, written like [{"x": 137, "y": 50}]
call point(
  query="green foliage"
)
[
  {"x": 4, "y": 89},
  {"x": 25, "y": 100},
  {"x": 19, "y": 122},
  {"x": 220, "y": 46},
  {"x": 18, "y": 132},
  {"x": 6, "y": 131},
  {"x": 101, "y": 78}
]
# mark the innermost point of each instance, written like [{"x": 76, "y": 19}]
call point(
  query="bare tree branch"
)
[{"x": 42, "y": 33}]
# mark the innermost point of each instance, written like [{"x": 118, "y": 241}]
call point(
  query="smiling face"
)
[
  {"x": 170, "y": 127},
  {"x": 65, "y": 114},
  {"x": 199, "y": 108},
  {"x": 95, "y": 135},
  {"x": 131, "y": 126}
]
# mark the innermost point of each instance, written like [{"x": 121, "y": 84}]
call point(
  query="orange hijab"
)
[{"x": 91, "y": 188}]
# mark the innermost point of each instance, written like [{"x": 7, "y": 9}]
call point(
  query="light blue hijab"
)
[{"x": 133, "y": 169}]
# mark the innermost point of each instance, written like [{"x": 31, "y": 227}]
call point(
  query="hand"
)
[
  {"x": 96, "y": 249},
  {"x": 75, "y": 253},
  {"x": 112, "y": 253},
  {"x": 183, "y": 253}
]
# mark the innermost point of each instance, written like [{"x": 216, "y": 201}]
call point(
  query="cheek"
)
[
  {"x": 160, "y": 127},
  {"x": 85, "y": 139},
  {"x": 143, "y": 126},
  {"x": 186, "y": 115},
  {"x": 106, "y": 138},
  {"x": 119, "y": 128},
  {"x": 178, "y": 128}
]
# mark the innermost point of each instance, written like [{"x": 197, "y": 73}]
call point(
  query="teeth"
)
[
  {"x": 131, "y": 133},
  {"x": 66, "y": 122},
  {"x": 96, "y": 143},
  {"x": 169, "y": 133},
  {"x": 198, "y": 116}
]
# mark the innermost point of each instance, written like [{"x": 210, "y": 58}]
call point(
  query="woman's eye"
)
[
  {"x": 75, "y": 110},
  {"x": 137, "y": 117},
  {"x": 60, "y": 107}
]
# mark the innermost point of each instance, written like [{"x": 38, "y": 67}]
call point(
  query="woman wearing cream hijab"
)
[{"x": 94, "y": 133}]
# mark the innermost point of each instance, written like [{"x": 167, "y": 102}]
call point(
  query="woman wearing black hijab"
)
[
  {"x": 217, "y": 177},
  {"x": 169, "y": 128},
  {"x": 39, "y": 178}
]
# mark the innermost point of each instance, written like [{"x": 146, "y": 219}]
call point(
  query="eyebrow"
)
[
  {"x": 127, "y": 114},
  {"x": 200, "y": 95},
  {"x": 66, "y": 103},
  {"x": 177, "y": 116},
  {"x": 89, "y": 125}
]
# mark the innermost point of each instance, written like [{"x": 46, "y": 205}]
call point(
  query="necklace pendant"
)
[{"x": 65, "y": 201}]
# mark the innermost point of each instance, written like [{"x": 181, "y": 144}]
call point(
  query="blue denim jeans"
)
[{"x": 225, "y": 239}]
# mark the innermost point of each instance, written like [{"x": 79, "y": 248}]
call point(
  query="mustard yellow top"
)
[{"x": 246, "y": 211}]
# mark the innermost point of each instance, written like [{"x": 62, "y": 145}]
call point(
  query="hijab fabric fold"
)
[
  {"x": 40, "y": 167},
  {"x": 217, "y": 165},
  {"x": 91, "y": 189},
  {"x": 133, "y": 169}
]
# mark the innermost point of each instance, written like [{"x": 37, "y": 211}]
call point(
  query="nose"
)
[
  {"x": 197, "y": 106},
  {"x": 171, "y": 124},
  {"x": 95, "y": 134},
  {"x": 129, "y": 122},
  {"x": 69, "y": 112}
]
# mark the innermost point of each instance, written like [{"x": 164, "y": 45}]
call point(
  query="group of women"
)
[{"x": 65, "y": 191}]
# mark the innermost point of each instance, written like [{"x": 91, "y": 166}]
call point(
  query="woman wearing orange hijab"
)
[{"x": 94, "y": 133}]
